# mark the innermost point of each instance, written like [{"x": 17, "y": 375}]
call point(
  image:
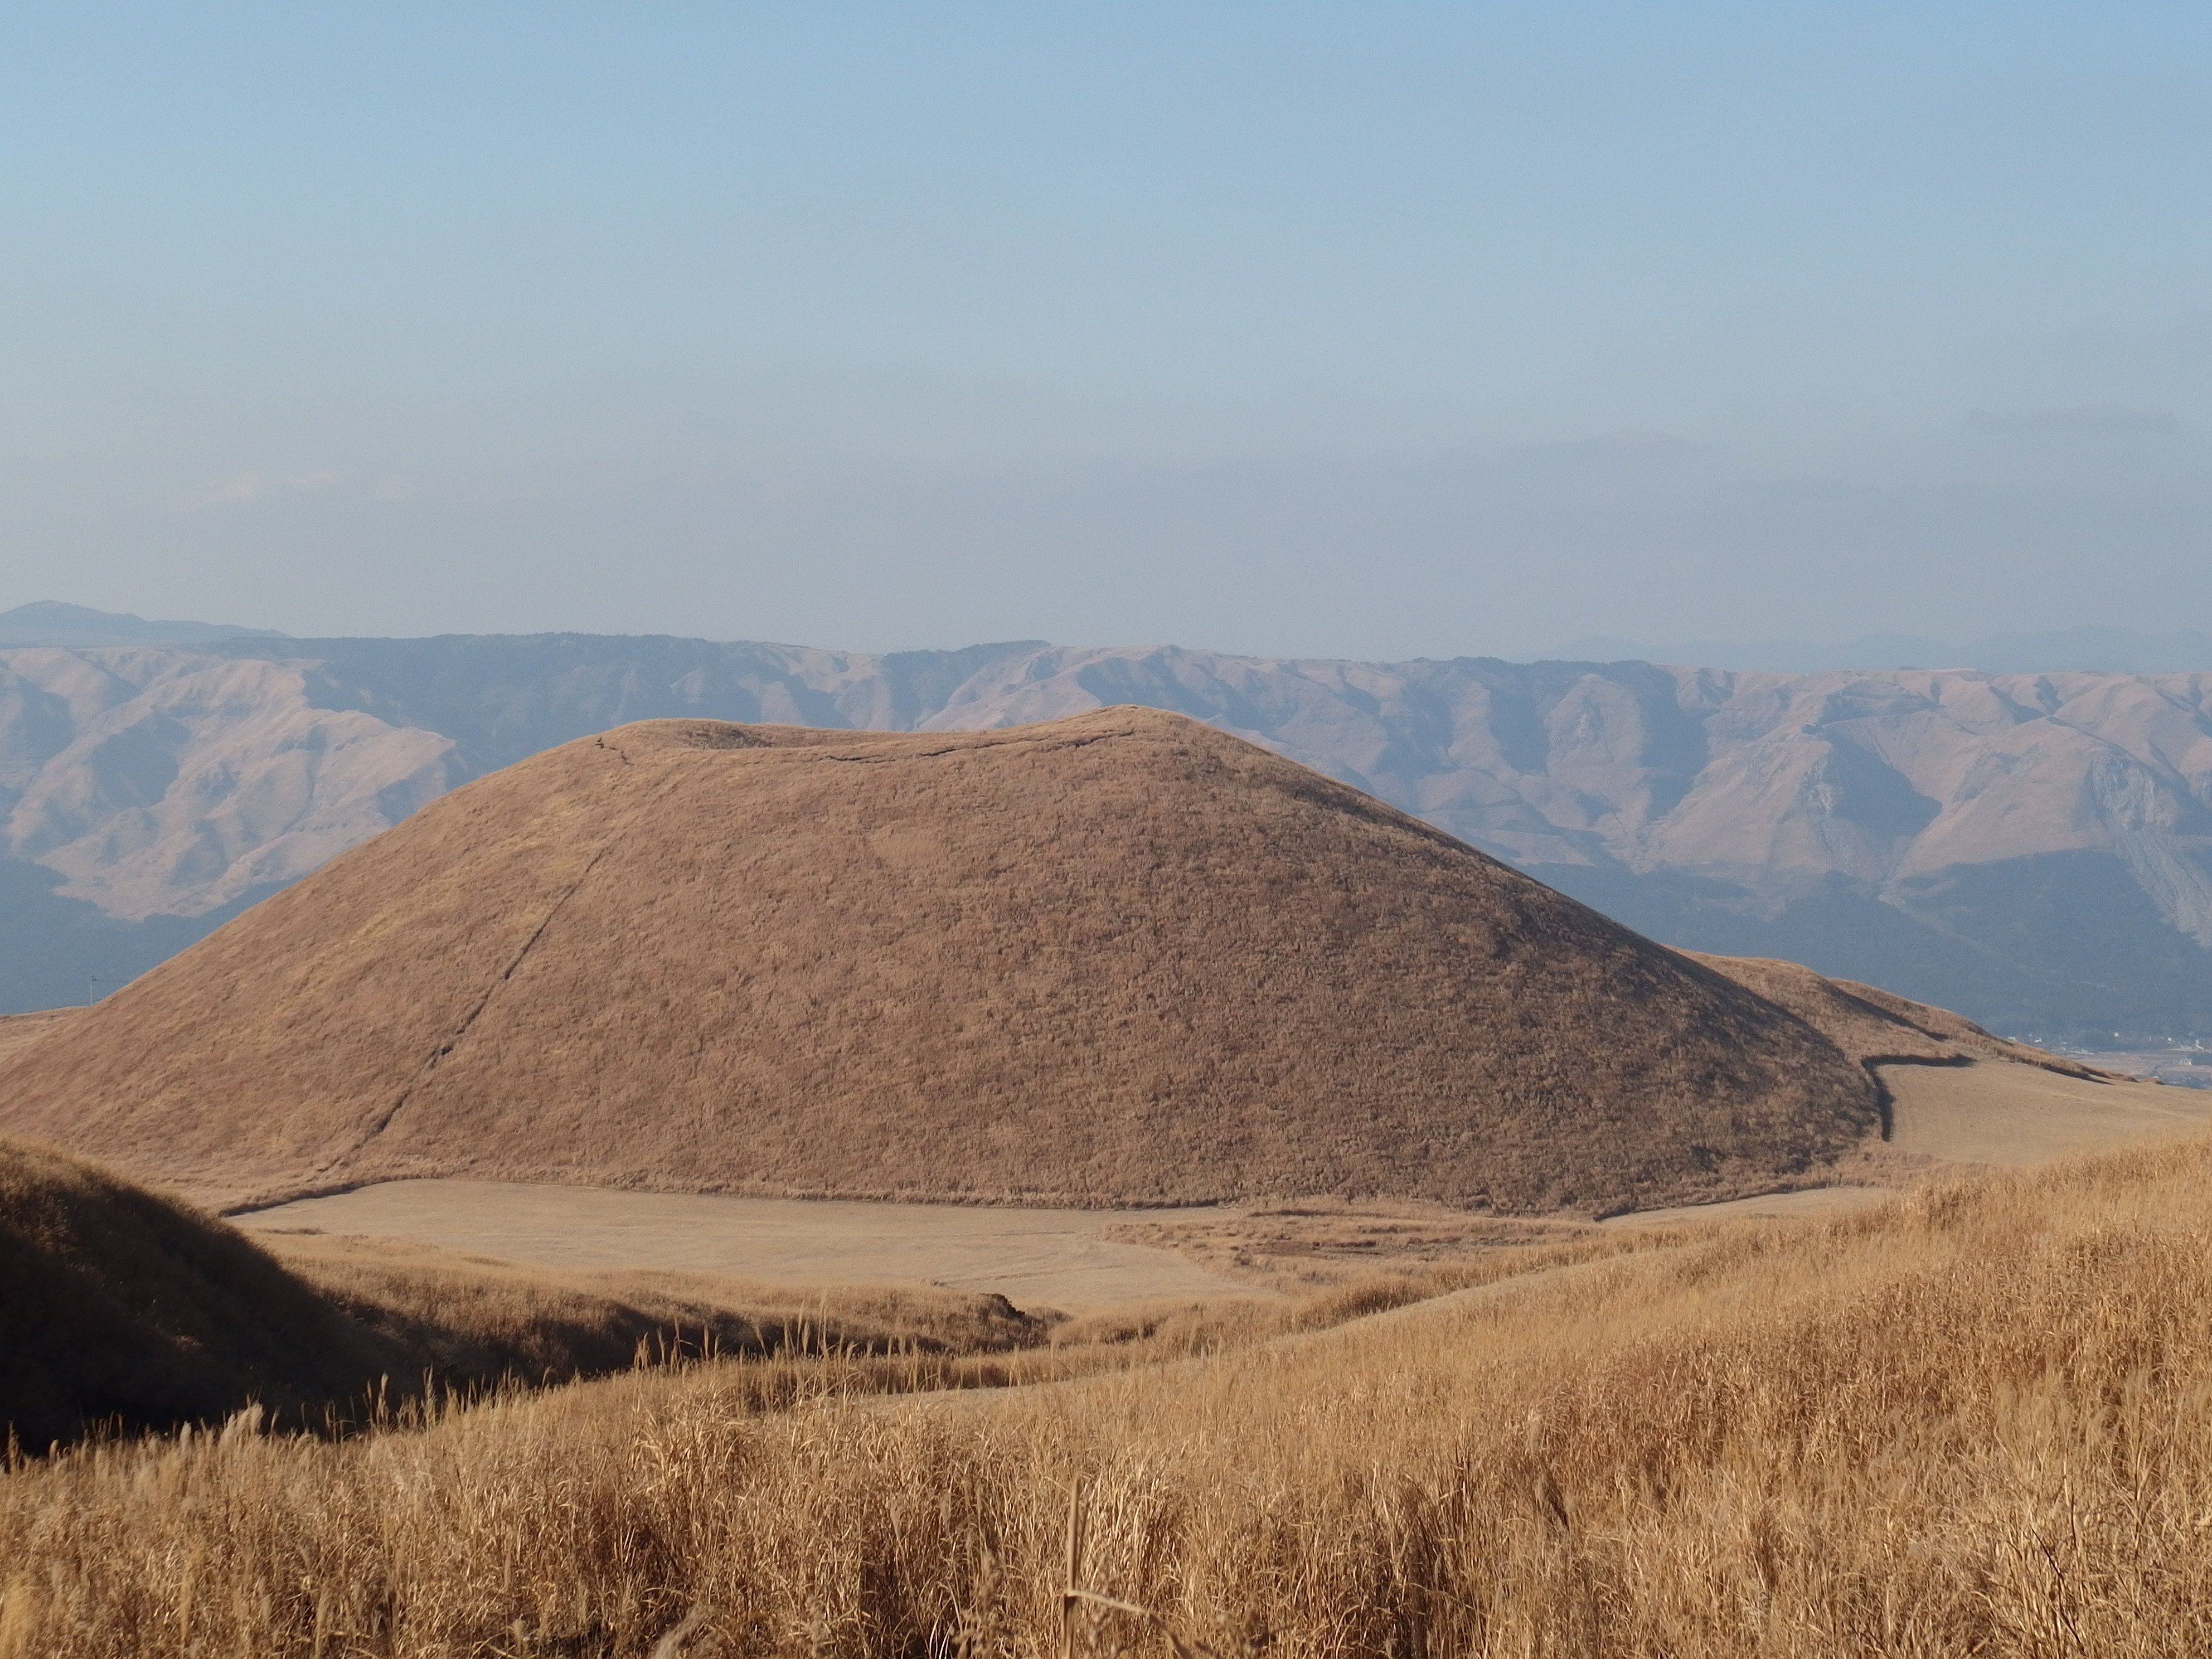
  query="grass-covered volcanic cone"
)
[{"x": 1121, "y": 957}]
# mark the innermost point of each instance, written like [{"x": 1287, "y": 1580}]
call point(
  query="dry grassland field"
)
[
  {"x": 2018, "y": 1115},
  {"x": 1971, "y": 1415},
  {"x": 1974, "y": 1418}
]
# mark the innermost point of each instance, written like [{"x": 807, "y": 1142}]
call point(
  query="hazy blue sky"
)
[{"x": 1375, "y": 328}]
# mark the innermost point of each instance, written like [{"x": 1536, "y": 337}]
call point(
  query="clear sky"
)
[{"x": 1375, "y": 329}]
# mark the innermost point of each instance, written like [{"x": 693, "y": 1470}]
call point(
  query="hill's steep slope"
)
[
  {"x": 2034, "y": 849},
  {"x": 1121, "y": 957}
]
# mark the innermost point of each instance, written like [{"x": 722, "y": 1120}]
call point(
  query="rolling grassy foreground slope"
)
[
  {"x": 1973, "y": 1420},
  {"x": 1122, "y": 958}
]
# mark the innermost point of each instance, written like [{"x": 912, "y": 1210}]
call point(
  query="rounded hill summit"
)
[{"x": 1122, "y": 958}]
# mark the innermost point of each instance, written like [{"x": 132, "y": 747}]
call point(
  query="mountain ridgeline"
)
[{"x": 2033, "y": 849}]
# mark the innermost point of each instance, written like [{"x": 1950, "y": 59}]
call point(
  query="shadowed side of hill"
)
[
  {"x": 1118, "y": 958},
  {"x": 120, "y": 1305}
]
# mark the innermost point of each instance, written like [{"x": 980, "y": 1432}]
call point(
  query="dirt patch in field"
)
[{"x": 1035, "y": 1258}]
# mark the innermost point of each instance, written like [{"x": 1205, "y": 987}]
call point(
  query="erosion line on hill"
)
[{"x": 430, "y": 1062}]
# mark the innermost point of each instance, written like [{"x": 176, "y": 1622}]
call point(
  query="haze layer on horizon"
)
[{"x": 1367, "y": 331}]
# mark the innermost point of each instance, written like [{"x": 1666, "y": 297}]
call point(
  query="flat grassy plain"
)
[
  {"x": 1975, "y": 1419},
  {"x": 1040, "y": 1258}
]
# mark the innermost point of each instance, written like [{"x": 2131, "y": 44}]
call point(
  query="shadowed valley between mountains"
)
[{"x": 1118, "y": 958}]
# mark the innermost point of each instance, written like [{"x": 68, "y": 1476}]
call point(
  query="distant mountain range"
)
[
  {"x": 2096, "y": 650},
  {"x": 2033, "y": 848},
  {"x": 49, "y": 621}
]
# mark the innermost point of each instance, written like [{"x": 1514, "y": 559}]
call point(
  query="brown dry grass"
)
[
  {"x": 473, "y": 1318},
  {"x": 20, "y": 1031},
  {"x": 1323, "y": 1241},
  {"x": 1977, "y": 1420},
  {"x": 1122, "y": 958}
]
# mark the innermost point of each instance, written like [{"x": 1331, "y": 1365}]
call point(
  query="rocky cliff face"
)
[{"x": 2034, "y": 849}]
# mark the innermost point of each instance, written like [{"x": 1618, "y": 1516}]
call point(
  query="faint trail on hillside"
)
[{"x": 431, "y": 1062}]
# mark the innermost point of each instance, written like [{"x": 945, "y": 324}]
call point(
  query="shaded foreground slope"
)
[
  {"x": 117, "y": 1304},
  {"x": 1121, "y": 957}
]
